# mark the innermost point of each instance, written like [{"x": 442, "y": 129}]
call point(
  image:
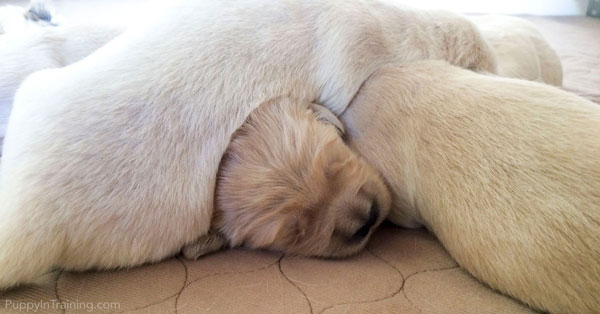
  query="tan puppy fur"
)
[
  {"x": 521, "y": 50},
  {"x": 505, "y": 172},
  {"x": 288, "y": 182},
  {"x": 112, "y": 161}
]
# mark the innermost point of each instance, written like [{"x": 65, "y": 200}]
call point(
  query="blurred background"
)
[
  {"x": 120, "y": 10},
  {"x": 530, "y": 7}
]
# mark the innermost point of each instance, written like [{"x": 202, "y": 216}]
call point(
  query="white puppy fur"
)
[
  {"x": 521, "y": 50},
  {"x": 112, "y": 161},
  {"x": 29, "y": 46},
  {"x": 14, "y": 18},
  {"x": 505, "y": 172}
]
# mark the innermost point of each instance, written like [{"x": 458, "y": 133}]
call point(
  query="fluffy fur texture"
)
[
  {"x": 289, "y": 182},
  {"x": 112, "y": 161},
  {"x": 30, "y": 45},
  {"x": 505, "y": 172},
  {"x": 41, "y": 48},
  {"x": 10, "y": 15},
  {"x": 521, "y": 50}
]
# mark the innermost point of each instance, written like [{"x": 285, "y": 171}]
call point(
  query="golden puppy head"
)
[{"x": 288, "y": 182}]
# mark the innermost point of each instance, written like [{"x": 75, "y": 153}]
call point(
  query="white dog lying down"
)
[
  {"x": 30, "y": 44},
  {"x": 505, "y": 172},
  {"x": 112, "y": 161},
  {"x": 521, "y": 50}
]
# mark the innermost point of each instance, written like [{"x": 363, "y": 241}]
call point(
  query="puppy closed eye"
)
[{"x": 364, "y": 230}]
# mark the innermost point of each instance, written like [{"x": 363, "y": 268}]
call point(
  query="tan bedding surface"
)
[
  {"x": 402, "y": 271},
  {"x": 577, "y": 42}
]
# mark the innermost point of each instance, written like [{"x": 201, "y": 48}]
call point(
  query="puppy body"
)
[
  {"x": 505, "y": 172},
  {"x": 112, "y": 161},
  {"x": 35, "y": 46},
  {"x": 521, "y": 50}
]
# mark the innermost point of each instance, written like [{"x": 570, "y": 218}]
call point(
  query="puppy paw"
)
[{"x": 206, "y": 244}]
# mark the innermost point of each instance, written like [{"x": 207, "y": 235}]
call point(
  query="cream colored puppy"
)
[
  {"x": 289, "y": 182},
  {"x": 112, "y": 161},
  {"x": 505, "y": 172},
  {"x": 39, "y": 48},
  {"x": 30, "y": 44},
  {"x": 521, "y": 50}
]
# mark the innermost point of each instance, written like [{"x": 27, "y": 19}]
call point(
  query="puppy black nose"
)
[{"x": 366, "y": 227}]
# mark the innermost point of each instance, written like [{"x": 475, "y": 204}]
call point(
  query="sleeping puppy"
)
[
  {"x": 288, "y": 182},
  {"x": 112, "y": 161},
  {"x": 521, "y": 50},
  {"x": 505, "y": 172}
]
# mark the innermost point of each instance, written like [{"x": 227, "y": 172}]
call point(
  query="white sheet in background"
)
[{"x": 530, "y": 7}]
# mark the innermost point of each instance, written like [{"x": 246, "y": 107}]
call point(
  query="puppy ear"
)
[
  {"x": 264, "y": 233},
  {"x": 333, "y": 159},
  {"x": 299, "y": 226},
  {"x": 326, "y": 116}
]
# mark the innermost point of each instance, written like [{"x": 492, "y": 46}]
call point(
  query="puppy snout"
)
[{"x": 364, "y": 230}]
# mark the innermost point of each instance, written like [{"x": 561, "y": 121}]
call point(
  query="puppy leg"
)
[{"x": 206, "y": 244}]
